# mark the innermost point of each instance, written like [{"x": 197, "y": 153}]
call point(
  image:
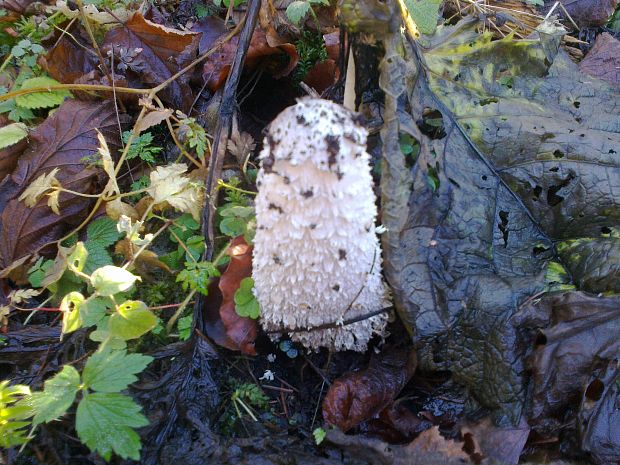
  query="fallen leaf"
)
[
  {"x": 586, "y": 13},
  {"x": 152, "y": 118},
  {"x": 216, "y": 68},
  {"x": 429, "y": 448},
  {"x": 356, "y": 397},
  {"x": 9, "y": 157},
  {"x": 582, "y": 335},
  {"x": 169, "y": 185},
  {"x": 148, "y": 54},
  {"x": 67, "y": 60},
  {"x": 62, "y": 141},
  {"x": 603, "y": 61},
  {"x": 224, "y": 325},
  {"x": 517, "y": 155},
  {"x": 599, "y": 416},
  {"x": 91, "y": 11},
  {"x": 502, "y": 444}
]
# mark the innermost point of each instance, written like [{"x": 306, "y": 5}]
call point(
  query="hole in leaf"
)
[
  {"x": 558, "y": 154},
  {"x": 431, "y": 124},
  {"x": 503, "y": 226},
  {"x": 605, "y": 230},
  {"x": 576, "y": 103},
  {"x": 537, "y": 250},
  {"x": 595, "y": 389},
  {"x": 552, "y": 194},
  {"x": 555, "y": 169},
  {"x": 537, "y": 192},
  {"x": 541, "y": 339}
]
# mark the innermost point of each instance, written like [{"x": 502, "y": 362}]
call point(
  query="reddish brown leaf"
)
[
  {"x": 64, "y": 140},
  {"x": 9, "y": 157},
  {"x": 231, "y": 330},
  {"x": 356, "y": 397},
  {"x": 216, "y": 68},
  {"x": 16, "y": 6},
  {"x": 322, "y": 75},
  {"x": 603, "y": 61},
  {"x": 67, "y": 61},
  {"x": 148, "y": 54}
]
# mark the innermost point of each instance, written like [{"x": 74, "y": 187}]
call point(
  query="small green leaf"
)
[
  {"x": 319, "y": 435},
  {"x": 108, "y": 371},
  {"x": 424, "y": 13},
  {"x": 77, "y": 258},
  {"x": 297, "y": 10},
  {"x": 70, "y": 306},
  {"x": 103, "y": 231},
  {"x": 110, "y": 280},
  {"x": 56, "y": 397},
  {"x": 104, "y": 422},
  {"x": 92, "y": 310},
  {"x": 131, "y": 320},
  {"x": 184, "y": 326},
  {"x": 12, "y": 133},
  {"x": 41, "y": 99},
  {"x": 245, "y": 303}
]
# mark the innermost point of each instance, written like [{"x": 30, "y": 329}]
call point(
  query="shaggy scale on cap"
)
[{"x": 316, "y": 255}]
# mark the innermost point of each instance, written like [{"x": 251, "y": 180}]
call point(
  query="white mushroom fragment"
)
[{"x": 316, "y": 257}]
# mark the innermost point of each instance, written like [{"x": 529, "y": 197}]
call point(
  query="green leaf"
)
[
  {"x": 41, "y": 99},
  {"x": 37, "y": 272},
  {"x": 319, "y": 435},
  {"x": 98, "y": 257},
  {"x": 110, "y": 280},
  {"x": 92, "y": 310},
  {"x": 425, "y": 14},
  {"x": 77, "y": 258},
  {"x": 104, "y": 422},
  {"x": 245, "y": 303},
  {"x": 297, "y": 10},
  {"x": 184, "y": 326},
  {"x": 56, "y": 397},
  {"x": 131, "y": 320},
  {"x": 108, "y": 371},
  {"x": 103, "y": 232},
  {"x": 12, "y": 133},
  {"x": 70, "y": 306}
]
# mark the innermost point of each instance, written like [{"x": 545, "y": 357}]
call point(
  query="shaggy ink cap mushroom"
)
[{"x": 316, "y": 256}]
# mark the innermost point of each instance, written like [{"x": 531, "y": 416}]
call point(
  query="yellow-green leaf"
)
[
  {"x": 12, "y": 133},
  {"x": 47, "y": 99},
  {"x": 131, "y": 320}
]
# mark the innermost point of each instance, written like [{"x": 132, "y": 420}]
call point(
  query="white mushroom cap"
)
[{"x": 316, "y": 255}]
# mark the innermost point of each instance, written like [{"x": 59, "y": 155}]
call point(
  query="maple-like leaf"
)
[
  {"x": 39, "y": 187},
  {"x": 169, "y": 185}
]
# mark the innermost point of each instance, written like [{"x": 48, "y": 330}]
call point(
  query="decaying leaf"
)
[
  {"x": 603, "y": 61},
  {"x": 64, "y": 141},
  {"x": 429, "y": 448},
  {"x": 216, "y": 68},
  {"x": 502, "y": 444},
  {"x": 93, "y": 13},
  {"x": 581, "y": 336},
  {"x": 356, "y": 397},
  {"x": 149, "y": 53},
  {"x": 586, "y": 13},
  {"x": 67, "y": 60},
  {"x": 224, "y": 325},
  {"x": 517, "y": 153}
]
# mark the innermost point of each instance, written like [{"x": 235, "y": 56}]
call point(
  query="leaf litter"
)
[{"x": 513, "y": 190}]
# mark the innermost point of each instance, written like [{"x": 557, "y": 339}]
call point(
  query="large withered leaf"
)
[
  {"x": 516, "y": 155},
  {"x": 65, "y": 140},
  {"x": 151, "y": 53}
]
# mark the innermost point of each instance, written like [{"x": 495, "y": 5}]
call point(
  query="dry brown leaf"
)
[
  {"x": 152, "y": 118},
  {"x": 216, "y": 68},
  {"x": 148, "y": 54},
  {"x": 356, "y": 397}
]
